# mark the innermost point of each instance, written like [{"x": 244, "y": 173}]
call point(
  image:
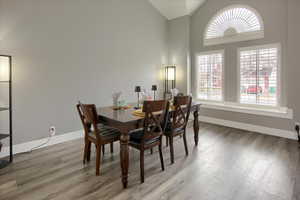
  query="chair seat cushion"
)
[
  {"x": 136, "y": 137},
  {"x": 106, "y": 132}
]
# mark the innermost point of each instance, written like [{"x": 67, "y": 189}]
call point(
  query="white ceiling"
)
[{"x": 172, "y": 9}]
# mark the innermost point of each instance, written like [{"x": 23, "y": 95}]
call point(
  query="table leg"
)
[
  {"x": 124, "y": 156},
  {"x": 196, "y": 125}
]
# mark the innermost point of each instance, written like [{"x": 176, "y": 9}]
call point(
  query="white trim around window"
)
[
  {"x": 278, "y": 84},
  {"x": 223, "y": 70},
  {"x": 237, "y": 38}
]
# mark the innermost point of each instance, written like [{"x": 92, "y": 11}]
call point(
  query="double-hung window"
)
[
  {"x": 210, "y": 76},
  {"x": 258, "y": 74}
]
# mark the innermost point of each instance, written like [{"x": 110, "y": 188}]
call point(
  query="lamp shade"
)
[
  {"x": 170, "y": 76},
  {"x": 137, "y": 89},
  {"x": 4, "y": 68},
  {"x": 154, "y": 88}
]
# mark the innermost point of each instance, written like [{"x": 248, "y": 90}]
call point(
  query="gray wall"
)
[
  {"x": 275, "y": 17},
  {"x": 69, "y": 50},
  {"x": 179, "y": 46},
  {"x": 293, "y": 72}
]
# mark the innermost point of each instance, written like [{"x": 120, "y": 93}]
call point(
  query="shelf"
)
[
  {"x": 4, "y": 163},
  {"x": 3, "y": 108},
  {"x": 6, "y": 83},
  {"x": 2, "y": 136}
]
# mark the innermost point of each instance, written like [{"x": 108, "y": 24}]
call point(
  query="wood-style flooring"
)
[{"x": 228, "y": 164}]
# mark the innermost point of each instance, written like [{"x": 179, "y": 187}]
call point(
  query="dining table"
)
[{"x": 126, "y": 121}]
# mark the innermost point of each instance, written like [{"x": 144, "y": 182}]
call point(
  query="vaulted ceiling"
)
[{"x": 172, "y": 9}]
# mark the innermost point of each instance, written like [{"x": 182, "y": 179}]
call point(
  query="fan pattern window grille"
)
[{"x": 236, "y": 23}]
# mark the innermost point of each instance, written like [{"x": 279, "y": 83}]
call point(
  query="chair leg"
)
[
  {"x": 88, "y": 158},
  {"x": 171, "y": 149},
  {"x": 185, "y": 144},
  {"x": 151, "y": 150},
  {"x": 167, "y": 141},
  {"x": 161, "y": 156},
  {"x": 142, "y": 165},
  {"x": 111, "y": 147},
  {"x": 85, "y": 153},
  {"x": 103, "y": 149},
  {"x": 98, "y": 159}
]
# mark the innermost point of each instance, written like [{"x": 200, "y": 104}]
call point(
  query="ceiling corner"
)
[{"x": 172, "y": 9}]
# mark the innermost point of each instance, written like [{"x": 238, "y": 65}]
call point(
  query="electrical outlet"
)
[{"x": 52, "y": 130}]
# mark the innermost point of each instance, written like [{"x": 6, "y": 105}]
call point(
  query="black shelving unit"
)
[{"x": 8, "y": 82}]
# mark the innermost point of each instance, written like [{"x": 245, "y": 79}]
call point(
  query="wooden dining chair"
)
[
  {"x": 156, "y": 113},
  {"x": 177, "y": 123},
  {"x": 95, "y": 133}
]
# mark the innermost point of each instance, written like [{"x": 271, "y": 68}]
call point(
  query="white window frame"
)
[
  {"x": 223, "y": 77},
  {"x": 279, "y": 61},
  {"x": 238, "y": 37}
]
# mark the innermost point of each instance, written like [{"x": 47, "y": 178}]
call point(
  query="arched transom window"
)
[{"x": 233, "y": 24}]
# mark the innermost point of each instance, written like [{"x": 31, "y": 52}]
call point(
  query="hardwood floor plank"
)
[{"x": 228, "y": 164}]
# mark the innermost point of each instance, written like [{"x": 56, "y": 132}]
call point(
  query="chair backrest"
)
[
  {"x": 156, "y": 114},
  {"x": 182, "y": 109},
  {"x": 89, "y": 118}
]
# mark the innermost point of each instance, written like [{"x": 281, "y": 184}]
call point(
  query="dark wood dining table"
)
[{"x": 126, "y": 121}]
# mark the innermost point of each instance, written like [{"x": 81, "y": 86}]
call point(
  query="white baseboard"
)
[
  {"x": 250, "y": 127},
  {"x": 27, "y": 146}
]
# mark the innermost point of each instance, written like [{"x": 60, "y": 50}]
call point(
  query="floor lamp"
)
[{"x": 170, "y": 79}]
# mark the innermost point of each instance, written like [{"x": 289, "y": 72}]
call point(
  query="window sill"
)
[{"x": 279, "y": 112}]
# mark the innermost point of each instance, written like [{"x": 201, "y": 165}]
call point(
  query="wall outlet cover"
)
[{"x": 52, "y": 130}]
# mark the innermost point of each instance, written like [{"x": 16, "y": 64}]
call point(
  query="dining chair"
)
[
  {"x": 150, "y": 135},
  {"x": 177, "y": 122},
  {"x": 95, "y": 133}
]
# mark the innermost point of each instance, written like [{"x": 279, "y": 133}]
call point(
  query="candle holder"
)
[
  {"x": 154, "y": 89},
  {"x": 138, "y": 90}
]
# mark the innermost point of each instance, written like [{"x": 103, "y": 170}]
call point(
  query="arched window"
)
[{"x": 233, "y": 24}]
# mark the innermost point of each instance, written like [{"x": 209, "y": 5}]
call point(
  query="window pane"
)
[
  {"x": 258, "y": 76},
  {"x": 268, "y": 76},
  {"x": 210, "y": 77},
  {"x": 248, "y": 77}
]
